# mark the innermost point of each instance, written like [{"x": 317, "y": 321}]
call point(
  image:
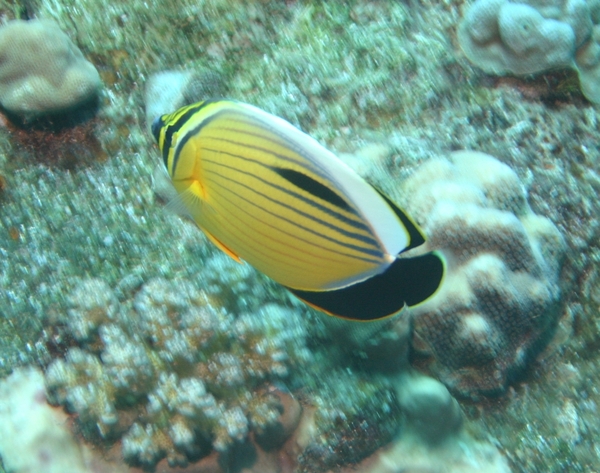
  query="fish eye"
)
[{"x": 157, "y": 124}]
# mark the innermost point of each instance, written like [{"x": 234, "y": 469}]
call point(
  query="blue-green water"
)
[{"x": 165, "y": 350}]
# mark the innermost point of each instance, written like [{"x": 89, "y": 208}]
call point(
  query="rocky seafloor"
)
[{"x": 91, "y": 261}]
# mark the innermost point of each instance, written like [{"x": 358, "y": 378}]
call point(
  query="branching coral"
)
[{"x": 171, "y": 374}]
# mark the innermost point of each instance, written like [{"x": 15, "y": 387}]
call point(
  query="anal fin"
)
[
  {"x": 406, "y": 282},
  {"x": 221, "y": 246}
]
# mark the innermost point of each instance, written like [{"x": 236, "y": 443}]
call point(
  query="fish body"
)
[{"x": 267, "y": 193}]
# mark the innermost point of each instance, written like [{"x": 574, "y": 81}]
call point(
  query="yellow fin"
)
[
  {"x": 189, "y": 203},
  {"x": 162, "y": 185},
  {"x": 221, "y": 246}
]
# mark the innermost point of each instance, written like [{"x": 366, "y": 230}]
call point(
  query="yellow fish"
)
[{"x": 267, "y": 193}]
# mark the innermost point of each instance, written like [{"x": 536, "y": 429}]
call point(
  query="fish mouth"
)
[{"x": 157, "y": 124}]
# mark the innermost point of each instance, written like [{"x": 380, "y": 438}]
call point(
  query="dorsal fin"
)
[{"x": 415, "y": 234}]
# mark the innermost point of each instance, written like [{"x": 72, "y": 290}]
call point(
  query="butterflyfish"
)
[{"x": 267, "y": 193}]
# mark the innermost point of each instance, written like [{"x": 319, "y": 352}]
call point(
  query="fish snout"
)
[{"x": 157, "y": 125}]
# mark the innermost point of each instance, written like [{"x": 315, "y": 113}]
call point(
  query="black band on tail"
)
[{"x": 408, "y": 281}]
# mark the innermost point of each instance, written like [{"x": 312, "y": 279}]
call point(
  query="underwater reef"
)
[
  {"x": 524, "y": 38},
  {"x": 159, "y": 348},
  {"x": 177, "y": 378},
  {"x": 499, "y": 305}
]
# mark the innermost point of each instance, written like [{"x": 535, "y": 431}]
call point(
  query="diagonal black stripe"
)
[
  {"x": 227, "y": 189},
  {"x": 308, "y": 184},
  {"x": 174, "y": 127},
  {"x": 293, "y": 253},
  {"x": 353, "y": 223},
  {"x": 354, "y": 236},
  {"x": 286, "y": 142},
  {"x": 261, "y": 125}
]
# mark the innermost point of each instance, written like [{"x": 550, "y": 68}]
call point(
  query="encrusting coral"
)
[
  {"x": 500, "y": 301},
  {"x": 49, "y": 95},
  {"x": 350, "y": 419},
  {"x": 169, "y": 373}
]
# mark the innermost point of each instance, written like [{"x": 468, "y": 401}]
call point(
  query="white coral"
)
[{"x": 33, "y": 436}]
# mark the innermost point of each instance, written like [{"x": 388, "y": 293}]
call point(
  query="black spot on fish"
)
[{"x": 313, "y": 187}]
